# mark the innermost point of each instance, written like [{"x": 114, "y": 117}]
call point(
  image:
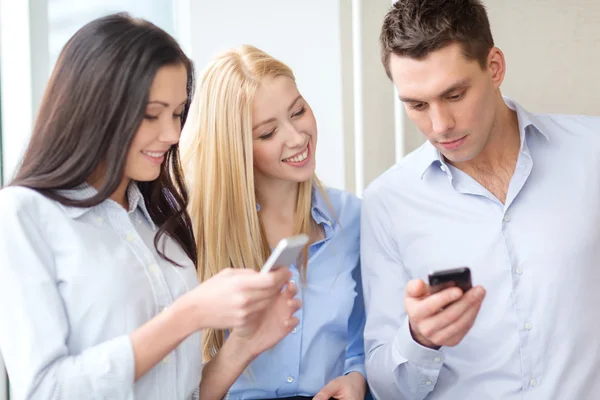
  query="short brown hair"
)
[{"x": 415, "y": 28}]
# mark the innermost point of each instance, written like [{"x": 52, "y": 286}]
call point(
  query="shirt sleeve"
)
[
  {"x": 397, "y": 366},
  {"x": 355, "y": 352},
  {"x": 34, "y": 325}
]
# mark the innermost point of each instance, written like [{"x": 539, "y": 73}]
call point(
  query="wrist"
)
[
  {"x": 241, "y": 348},
  {"x": 187, "y": 315},
  {"x": 359, "y": 380},
  {"x": 420, "y": 339}
]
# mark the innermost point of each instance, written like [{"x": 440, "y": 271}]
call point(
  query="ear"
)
[{"x": 496, "y": 66}]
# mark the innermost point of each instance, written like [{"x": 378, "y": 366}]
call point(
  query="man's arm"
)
[{"x": 397, "y": 366}]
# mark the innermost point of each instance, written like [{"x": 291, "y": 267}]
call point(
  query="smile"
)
[
  {"x": 297, "y": 158},
  {"x": 155, "y": 154}
]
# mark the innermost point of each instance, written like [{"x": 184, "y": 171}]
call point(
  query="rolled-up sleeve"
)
[{"x": 34, "y": 325}]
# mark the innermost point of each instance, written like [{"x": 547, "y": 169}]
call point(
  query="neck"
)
[
  {"x": 277, "y": 198},
  {"x": 502, "y": 148},
  {"x": 119, "y": 195}
]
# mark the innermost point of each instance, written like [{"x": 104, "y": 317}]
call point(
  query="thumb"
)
[
  {"x": 416, "y": 288},
  {"x": 328, "y": 391}
]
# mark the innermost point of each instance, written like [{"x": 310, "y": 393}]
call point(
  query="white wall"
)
[{"x": 551, "y": 48}]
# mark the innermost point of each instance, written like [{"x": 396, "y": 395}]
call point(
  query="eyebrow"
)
[
  {"x": 274, "y": 119},
  {"x": 162, "y": 103},
  {"x": 458, "y": 85}
]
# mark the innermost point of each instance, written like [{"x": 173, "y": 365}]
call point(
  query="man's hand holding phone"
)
[{"x": 442, "y": 318}]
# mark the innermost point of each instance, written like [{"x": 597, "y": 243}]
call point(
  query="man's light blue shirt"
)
[{"x": 537, "y": 335}]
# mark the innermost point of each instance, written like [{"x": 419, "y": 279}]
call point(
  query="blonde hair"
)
[{"x": 218, "y": 163}]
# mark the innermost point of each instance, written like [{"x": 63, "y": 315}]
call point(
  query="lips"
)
[{"x": 454, "y": 144}]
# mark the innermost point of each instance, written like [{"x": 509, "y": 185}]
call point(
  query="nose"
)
[
  {"x": 171, "y": 132},
  {"x": 442, "y": 120},
  {"x": 295, "y": 138}
]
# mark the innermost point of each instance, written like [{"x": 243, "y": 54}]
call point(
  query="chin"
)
[{"x": 147, "y": 177}]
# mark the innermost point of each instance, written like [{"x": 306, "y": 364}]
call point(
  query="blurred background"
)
[{"x": 550, "y": 48}]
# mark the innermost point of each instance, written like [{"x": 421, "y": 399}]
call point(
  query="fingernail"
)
[
  {"x": 478, "y": 292},
  {"x": 456, "y": 293}
]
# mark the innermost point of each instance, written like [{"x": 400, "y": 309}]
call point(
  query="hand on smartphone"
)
[{"x": 442, "y": 318}]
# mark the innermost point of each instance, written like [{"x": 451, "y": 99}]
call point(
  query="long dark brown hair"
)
[{"x": 92, "y": 108}]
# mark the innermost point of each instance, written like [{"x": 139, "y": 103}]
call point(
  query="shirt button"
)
[
  {"x": 428, "y": 382},
  {"x": 167, "y": 359},
  {"x": 506, "y": 218},
  {"x": 290, "y": 379},
  {"x": 294, "y": 330},
  {"x": 528, "y": 326},
  {"x": 165, "y": 309},
  {"x": 437, "y": 359},
  {"x": 519, "y": 271},
  {"x": 130, "y": 237},
  {"x": 153, "y": 268},
  {"x": 443, "y": 168},
  {"x": 100, "y": 220},
  {"x": 533, "y": 382}
]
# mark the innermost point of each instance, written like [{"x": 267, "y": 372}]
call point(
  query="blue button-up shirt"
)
[
  {"x": 74, "y": 283},
  {"x": 328, "y": 342},
  {"x": 537, "y": 335}
]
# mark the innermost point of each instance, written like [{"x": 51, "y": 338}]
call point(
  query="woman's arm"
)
[
  {"x": 34, "y": 325},
  {"x": 245, "y": 343}
]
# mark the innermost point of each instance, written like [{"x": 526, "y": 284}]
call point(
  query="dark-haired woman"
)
[{"x": 98, "y": 288}]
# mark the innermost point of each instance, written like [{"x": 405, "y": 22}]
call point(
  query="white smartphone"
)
[{"x": 285, "y": 253}]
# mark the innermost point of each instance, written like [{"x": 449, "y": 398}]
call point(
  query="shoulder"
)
[
  {"x": 340, "y": 206},
  {"x": 401, "y": 178},
  {"x": 22, "y": 204},
  {"x": 21, "y": 199},
  {"x": 561, "y": 126}
]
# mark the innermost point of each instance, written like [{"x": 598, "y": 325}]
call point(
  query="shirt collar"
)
[
  {"x": 321, "y": 212},
  {"x": 428, "y": 155},
  {"x": 321, "y": 209},
  {"x": 86, "y": 191}
]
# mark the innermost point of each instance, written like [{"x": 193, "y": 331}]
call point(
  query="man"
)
[{"x": 512, "y": 195}]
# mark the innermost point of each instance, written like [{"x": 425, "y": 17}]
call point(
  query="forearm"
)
[
  {"x": 223, "y": 370},
  {"x": 154, "y": 340}
]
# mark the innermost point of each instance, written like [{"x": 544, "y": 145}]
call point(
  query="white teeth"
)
[
  {"x": 153, "y": 154},
  {"x": 299, "y": 158}
]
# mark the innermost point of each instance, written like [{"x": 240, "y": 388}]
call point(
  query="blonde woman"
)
[{"x": 249, "y": 154}]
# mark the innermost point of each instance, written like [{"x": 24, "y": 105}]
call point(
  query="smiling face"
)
[
  {"x": 450, "y": 98},
  {"x": 284, "y": 133},
  {"x": 161, "y": 126}
]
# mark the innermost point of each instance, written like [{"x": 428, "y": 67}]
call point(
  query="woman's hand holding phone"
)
[
  {"x": 271, "y": 325},
  {"x": 233, "y": 298}
]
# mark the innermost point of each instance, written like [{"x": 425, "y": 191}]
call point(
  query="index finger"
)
[{"x": 431, "y": 305}]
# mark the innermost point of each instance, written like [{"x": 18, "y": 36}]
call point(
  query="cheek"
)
[
  {"x": 421, "y": 120},
  {"x": 264, "y": 154}
]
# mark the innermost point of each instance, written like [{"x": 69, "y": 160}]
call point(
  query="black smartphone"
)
[{"x": 446, "y": 278}]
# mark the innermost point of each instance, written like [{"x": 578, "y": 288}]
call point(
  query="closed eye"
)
[
  {"x": 457, "y": 96},
  {"x": 299, "y": 113},
  {"x": 267, "y": 135},
  {"x": 418, "y": 106}
]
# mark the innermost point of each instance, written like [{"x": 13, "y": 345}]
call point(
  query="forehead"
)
[
  {"x": 428, "y": 77},
  {"x": 170, "y": 82},
  {"x": 273, "y": 96}
]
